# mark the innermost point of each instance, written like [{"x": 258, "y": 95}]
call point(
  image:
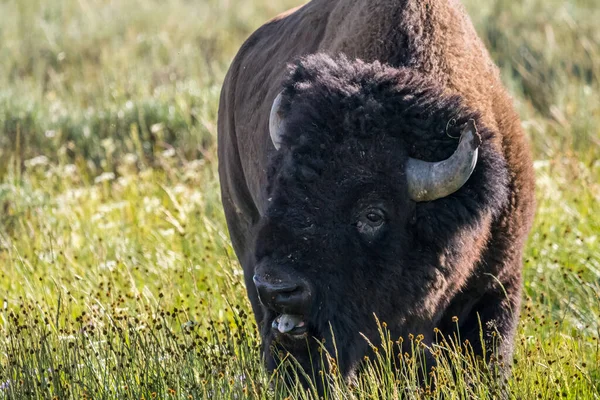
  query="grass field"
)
[{"x": 117, "y": 278}]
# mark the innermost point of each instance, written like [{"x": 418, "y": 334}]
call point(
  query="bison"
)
[{"x": 371, "y": 163}]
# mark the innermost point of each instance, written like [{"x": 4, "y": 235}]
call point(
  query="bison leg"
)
[
  {"x": 489, "y": 326},
  {"x": 494, "y": 318}
]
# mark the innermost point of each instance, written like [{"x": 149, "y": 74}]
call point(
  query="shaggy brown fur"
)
[{"x": 437, "y": 42}]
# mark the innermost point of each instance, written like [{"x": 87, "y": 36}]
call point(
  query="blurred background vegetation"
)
[
  {"x": 110, "y": 211},
  {"x": 78, "y": 78}
]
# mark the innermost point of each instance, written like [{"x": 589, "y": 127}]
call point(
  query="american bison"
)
[{"x": 371, "y": 163}]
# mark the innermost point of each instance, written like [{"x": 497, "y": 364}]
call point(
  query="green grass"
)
[{"x": 117, "y": 278}]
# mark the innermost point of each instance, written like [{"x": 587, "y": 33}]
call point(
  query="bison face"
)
[
  {"x": 372, "y": 203},
  {"x": 332, "y": 251}
]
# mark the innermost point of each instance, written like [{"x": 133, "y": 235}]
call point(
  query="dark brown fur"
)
[{"x": 436, "y": 40}]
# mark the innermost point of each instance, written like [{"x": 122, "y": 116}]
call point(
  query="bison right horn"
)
[
  {"x": 276, "y": 123},
  {"x": 429, "y": 181}
]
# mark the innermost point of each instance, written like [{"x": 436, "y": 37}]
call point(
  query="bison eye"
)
[
  {"x": 374, "y": 218},
  {"x": 370, "y": 221}
]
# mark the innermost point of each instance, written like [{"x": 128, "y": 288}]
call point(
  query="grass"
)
[{"x": 117, "y": 278}]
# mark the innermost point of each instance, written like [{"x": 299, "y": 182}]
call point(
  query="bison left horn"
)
[
  {"x": 429, "y": 181},
  {"x": 276, "y": 123}
]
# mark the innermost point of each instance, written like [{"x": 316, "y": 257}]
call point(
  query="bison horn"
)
[
  {"x": 276, "y": 123},
  {"x": 429, "y": 181}
]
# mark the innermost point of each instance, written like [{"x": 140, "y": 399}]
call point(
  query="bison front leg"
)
[
  {"x": 488, "y": 328},
  {"x": 494, "y": 319}
]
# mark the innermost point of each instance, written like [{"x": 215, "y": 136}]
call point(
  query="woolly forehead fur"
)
[
  {"x": 328, "y": 102},
  {"x": 339, "y": 98}
]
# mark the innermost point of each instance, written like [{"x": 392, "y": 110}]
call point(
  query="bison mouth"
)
[{"x": 288, "y": 325}]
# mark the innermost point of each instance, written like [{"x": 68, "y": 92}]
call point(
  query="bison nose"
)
[{"x": 285, "y": 297}]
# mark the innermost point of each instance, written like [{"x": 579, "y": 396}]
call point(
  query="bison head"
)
[{"x": 377, "y": 205}]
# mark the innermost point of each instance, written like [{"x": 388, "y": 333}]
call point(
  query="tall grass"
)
[{"x": 117, "y": 279}]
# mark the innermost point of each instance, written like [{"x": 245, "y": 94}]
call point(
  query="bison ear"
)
[{"x": 276, "y": 122}]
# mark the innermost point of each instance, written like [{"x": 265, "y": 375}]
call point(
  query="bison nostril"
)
[
  {"x": 276, "y": 286},
  {"x": 281, "y": 295},
  {"x": 287, "y": 295},
  {"x": 272, "y": 291}
]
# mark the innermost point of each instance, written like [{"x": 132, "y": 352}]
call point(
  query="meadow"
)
[{"x": 117, "y": 277}]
